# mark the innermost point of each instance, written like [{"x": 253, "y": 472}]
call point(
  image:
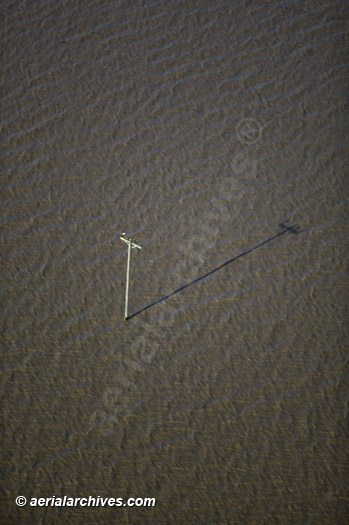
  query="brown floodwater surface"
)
[{"x": 214, "y": 133}]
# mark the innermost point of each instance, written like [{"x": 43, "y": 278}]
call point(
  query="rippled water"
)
[{"x": 215, "y": 133}]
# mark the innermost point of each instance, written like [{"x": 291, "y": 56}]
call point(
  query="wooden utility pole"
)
[{"x": 130, "y": 245}]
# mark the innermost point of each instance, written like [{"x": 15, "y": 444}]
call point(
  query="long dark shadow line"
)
[{"x": 291, "y": 229}]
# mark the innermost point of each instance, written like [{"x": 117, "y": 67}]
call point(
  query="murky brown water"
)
[{"x": 215, "y": 133}]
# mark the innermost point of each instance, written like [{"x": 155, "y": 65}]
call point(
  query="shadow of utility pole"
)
[{"x": 285, "y": 229}]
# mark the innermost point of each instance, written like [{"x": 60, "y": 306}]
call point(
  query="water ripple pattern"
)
[{"x": 214, "y": 133}]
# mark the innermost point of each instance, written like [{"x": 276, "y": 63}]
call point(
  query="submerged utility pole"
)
[{"x": 130, "y": 245}]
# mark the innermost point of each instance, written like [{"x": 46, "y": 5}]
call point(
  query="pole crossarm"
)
[{"x": 129, "y": 241}]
